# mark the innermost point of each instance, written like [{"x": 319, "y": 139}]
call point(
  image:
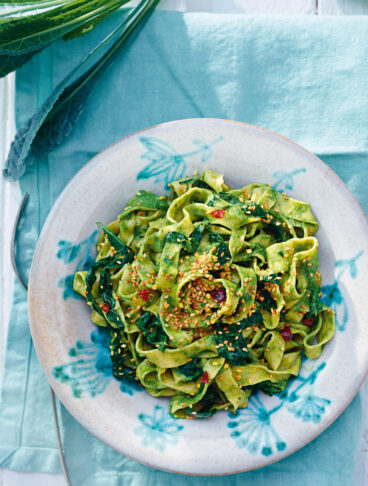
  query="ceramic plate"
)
[{"x": 75, "y": 355}]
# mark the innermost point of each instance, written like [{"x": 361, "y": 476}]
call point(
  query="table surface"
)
[{"x": 10, "y": 195}]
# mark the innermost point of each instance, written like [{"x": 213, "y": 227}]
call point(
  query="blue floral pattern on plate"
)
[
  {"x": 81, "y": 253},
  {"x": 332, "y": 295},
  {"x": 252, "y": 427},
  {"x": 90, "y": 370},
  {"x": 165, "y": 164},
  {"x": 254, "y": 430},
  {"x": 159, "y": 429},
  {"x": 285, "y": 180}
]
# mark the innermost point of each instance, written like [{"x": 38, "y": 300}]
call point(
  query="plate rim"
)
[{"x": 44, "y": 231}]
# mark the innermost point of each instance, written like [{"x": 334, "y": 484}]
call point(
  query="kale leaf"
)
[
  {"x": 126, "y": 253},
  {"x": 197, "y": 235},
  {"x": 191, "y": 244},
  {"x": 271, "y": 219},
  {"x": 253, "y": 319},
  {"x": 54, "y": 120},
  {"x": 119, "y": 370},
  {"x": 315, "y": 305},
  {"x": 191, "y": 371},
  {"x": 196, "y": 182},
  {"x": 105, "y": 264},
  {"x": 152, "y": 330},
  {"x": 222, "y": 250},
  {"x": 201, "y": 184},
  {"x": 273, "y": 388},
  {"x": 272, "y": 277},
  {"x": 231, "y": 198},
  {"x": 235, "y": 348},
  {"x": 265, "y": 298}
]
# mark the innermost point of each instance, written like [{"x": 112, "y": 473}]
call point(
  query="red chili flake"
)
[
  {"x": 218, "y": 213},
  {"x": 308, "y": 321},
  {"x": 205, "y": 378},
  {"x": 218, "y": 294},
  {"x": 286, "y": 334},
  {"x": 144, "y": 294},
  {"x": 105, "y": 307}
]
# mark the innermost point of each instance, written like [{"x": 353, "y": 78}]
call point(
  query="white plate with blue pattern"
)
[{"x": 75, "y": 354}]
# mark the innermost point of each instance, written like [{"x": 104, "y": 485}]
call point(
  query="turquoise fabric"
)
[{"x": 305, "y": 78}]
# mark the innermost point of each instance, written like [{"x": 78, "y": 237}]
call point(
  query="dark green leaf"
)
[
  {"x": 186, "y": 181},
  {"x": 9, "y": 63},
  {"x": 253, "y": 319},
  {"x": 204, "y": 408},
  {"x": 213, "y": 201},
  {"x": 196, "y": 182},
  {"x": 272, "y": 388},
  {"x": 191, "y": 371},
  {"x": 197, "y": 234},
  {"x": 315, "y": 305},
  {"x": 269, "y": 218},
  {"x": 273, "y": 277},
  {"x": 176, "y": 237},
  {"x": 107, "y": 262},
  {"x": 126, "y": 253},
  {"x": 145, "y": 201},
  {"x": 57, "y": 116},
  {"x": 235, "y": 349},
  {"x": 119, "y": 369},
  {"x": 231, "y": 198},
  {"x": 264, "y": 298},
  {"x": 191, "y": 244},
  {"x": 222, "y": 250},
  {"x": 201, "y": 184},
  {"x": 152, "y": 330},
  {"x": 26, "y": 33}
]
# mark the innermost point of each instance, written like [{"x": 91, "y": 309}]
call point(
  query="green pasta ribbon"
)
[{"x": 210, "y": 294}]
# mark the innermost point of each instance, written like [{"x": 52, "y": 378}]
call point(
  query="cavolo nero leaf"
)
[
  {"x": 231, "y": 198},
  {"x": 223, "y": 254},
  {"x": 9, "y": 63},
  {"x": 272, "y": 388},
  {"x": 230, "y": 342},
  {"x": 119, "y": 369},
  {"x": 126, "y": 253},
  {"x": 152, "y": 330},
  {"x": 103, "y": 263},
  {"x": 190, "y": 371},
  {"x": 197, "y": 235},
  {"x": 27, "y": 33},
  {"x": 315, "y": 305},
  {"x": 57, "y": 116},
  {"x": 191, "y": 244},
  {"x": 88, "y": 26}
]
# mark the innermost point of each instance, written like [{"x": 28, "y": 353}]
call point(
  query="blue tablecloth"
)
[{"x": 303, "y": 77}]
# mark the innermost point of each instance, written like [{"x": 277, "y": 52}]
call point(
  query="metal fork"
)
[{"x": 13, "y": 257}]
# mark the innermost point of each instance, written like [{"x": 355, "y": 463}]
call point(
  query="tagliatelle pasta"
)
[{"x": 210, "y": 294}]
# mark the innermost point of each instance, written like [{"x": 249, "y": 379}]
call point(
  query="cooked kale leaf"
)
[
  {"x": 119, "y": 370},
  {"x": 191, "y": 371},
  {"x": 126, "y": 254},
  {"x": 273, "y": 388},
  {"x": 222, "y": 249},
  {"x": 152, "y": 330},
  {"x": 231, "y": 343}
]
